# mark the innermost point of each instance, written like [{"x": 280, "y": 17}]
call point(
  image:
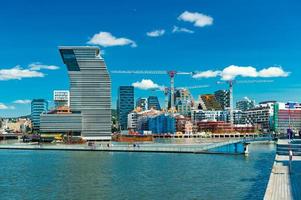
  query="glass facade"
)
[
  {"x": 141, "y": 103},
  {"x": 125, "y": 105},
  {"x": 38, "y": 106},
  {"x": 153, "y": 102},
  {"x": 162, "y": 124}
]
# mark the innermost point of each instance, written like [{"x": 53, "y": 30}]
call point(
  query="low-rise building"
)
[
  {"x": 132, "y": 121},
  {"x": 210, "y": 115},
  {"x": 61, "y": 120},
  {"x": 18, "y": 125},
  {"x": 260, "y": 117},
  {"x": 287, "y": 115},
  {"x": 161, "y": 124}
]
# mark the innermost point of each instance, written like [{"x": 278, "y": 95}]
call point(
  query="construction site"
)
[{"x": 184, "y": 115}]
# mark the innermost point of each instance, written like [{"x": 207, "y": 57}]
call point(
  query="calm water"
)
[{"x": 101, "y": 175}]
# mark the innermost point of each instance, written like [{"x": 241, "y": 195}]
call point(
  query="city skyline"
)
[{"x": 190, "y": 36}]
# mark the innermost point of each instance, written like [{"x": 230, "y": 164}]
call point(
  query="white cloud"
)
[
  {"x": 229, "y": 73},
  {"x": 106, "y": 39},
  {"x": 273, "y": 72},
  {"x": 206, "y": 74},
  {"x": 198, "y": 19},
  {"x": 22, "y": 101},
  {"x": 232, "y": 71},
  {"x": 177, "y": 29},
  {"x": 18, "y": 73},
  {"x": 38, "y": 66},
  {"x": 156, "y": 33},
  {"x": 5, "y": 107},
  {"x": 146, "y": 84}
]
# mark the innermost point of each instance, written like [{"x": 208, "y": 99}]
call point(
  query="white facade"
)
[
  {"x": 132, "y": 120},
  {"x": 210, "y": 115},
  {"x": 61, "y": 98}
]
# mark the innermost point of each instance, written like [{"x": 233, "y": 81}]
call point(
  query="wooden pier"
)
[{"x": 285, "y": 178}]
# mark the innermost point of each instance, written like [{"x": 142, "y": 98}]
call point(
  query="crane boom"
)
[
  {"x": 171, "y": 74},
  {"x": 138, "y": 72},
  {"x": 231, "y": 83}
]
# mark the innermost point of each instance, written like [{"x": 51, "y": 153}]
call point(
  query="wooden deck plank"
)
[{"x": 282, "y": 184}]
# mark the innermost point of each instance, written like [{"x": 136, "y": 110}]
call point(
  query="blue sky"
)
[{"x": 253, "y": 33}]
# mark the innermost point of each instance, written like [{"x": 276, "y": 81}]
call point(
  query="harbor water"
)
[{"x": 103, "y": 175}]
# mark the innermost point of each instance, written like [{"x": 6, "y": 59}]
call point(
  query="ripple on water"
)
[{"x": 101, "y": 175}]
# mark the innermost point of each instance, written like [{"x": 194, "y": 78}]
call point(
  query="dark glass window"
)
[{"x": 70, "y": 60}]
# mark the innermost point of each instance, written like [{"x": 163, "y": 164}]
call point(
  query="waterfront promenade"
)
[
  {"x": 285, "y": 182},
  {"x": 203, "y": 147}
]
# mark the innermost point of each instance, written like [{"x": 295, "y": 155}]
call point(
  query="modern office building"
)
[
  {"x": 209, "y": 115},
  {"x": 245, "y": 104},
  {"x": 183, "y": 102},
  {"x": 259, "y": 117},
  {"x": 287, "y": 115},
  {"x": 237, "y": 117},
  {"x": 125, "y": 105},
  {"x": 141, "y": 103},
  {"x": 61, "y": 98},
  {"x": 153, "y": 103},
  {"x": 223, "y": 97},
  {"x": 90, "y": 96},
  {"x": 162, "y": 124},
  {"x": 38, "y": 106},
  {"x": 142, "y": 120},
  {"x": 62, "y": 120},
  {"x": 269, "y": 104}
]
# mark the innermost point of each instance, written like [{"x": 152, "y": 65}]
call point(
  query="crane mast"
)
[
  {"x": 231, "y": 84},
  {"x": 171, "y": 74}
]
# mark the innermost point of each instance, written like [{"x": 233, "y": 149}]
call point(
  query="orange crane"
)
[
  {"x": 170, "y": 73},
  {"x": 231, "y": 83}
]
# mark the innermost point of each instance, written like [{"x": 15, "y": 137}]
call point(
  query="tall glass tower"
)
[
  {"x": 90, "y": 90},
  {"x": 38, "y": 106},
  {"x": 125, "y": 104}
]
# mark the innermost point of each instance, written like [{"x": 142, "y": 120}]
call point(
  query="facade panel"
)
[{"x": 90, "y": 90}]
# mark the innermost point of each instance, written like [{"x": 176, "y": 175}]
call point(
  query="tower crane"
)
[
  {"x": 166, "y": 91},
  {"x": 170, "y": 73},
  {"x": 231, "y": 83}
]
